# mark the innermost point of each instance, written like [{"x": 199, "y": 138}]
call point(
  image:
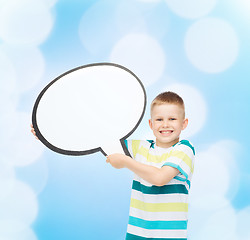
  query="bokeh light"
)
[
  {"x": 19, "y": 208},
  {"x": 97, "y": 22},
  {"x": 141, "y": 54},
  {"x": 200, "y": 49},
  {"x": 8, "y": 80},
  {"x": 28, "y": 64},
  {"x": 191, "y": 8},
  {"x": 211, "y": 45},
  {"x": 25, "y": 22}
]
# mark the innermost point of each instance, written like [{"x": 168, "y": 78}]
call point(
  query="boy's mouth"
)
[{"x": 166, "y": 132}]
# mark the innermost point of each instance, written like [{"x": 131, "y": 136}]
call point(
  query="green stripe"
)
[
  {"x": 163, "y": 225},
  {"x": 152, "y": 143},
  {"x": 166, "y": 189},
  {"x": 130, "y": 236},
  {"x": 187, "y": 143}
]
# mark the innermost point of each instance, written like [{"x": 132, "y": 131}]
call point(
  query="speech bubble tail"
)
[{"x": 115, "y": 147}]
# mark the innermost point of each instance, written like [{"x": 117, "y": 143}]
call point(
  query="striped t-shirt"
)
[{"x": 160, "y": 213}]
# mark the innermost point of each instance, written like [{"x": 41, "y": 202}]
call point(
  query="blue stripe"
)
[
  {"x": 166, "y": 189},
  {"x": 130, "y": 236},
  {"x": 126, "y": 143},
  {"x": 161, "y": 225}
]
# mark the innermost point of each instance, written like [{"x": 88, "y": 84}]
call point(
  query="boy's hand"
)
[
  {"x": 117, "y": 160},
  {"x": 33, "y": 131}
]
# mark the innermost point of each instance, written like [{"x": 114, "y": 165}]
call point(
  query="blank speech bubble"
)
[{"x": 90, "y": 108}]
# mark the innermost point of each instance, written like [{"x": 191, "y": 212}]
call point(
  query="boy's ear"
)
[
  {"x": 185, "y": 123},
  {"x": 150, "y": 123}
]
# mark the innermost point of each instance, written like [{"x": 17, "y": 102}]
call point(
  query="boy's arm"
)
[{"x": 153, "y": 175}]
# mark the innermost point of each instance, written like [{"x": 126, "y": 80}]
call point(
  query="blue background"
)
[{"x": 83, "y": 197}]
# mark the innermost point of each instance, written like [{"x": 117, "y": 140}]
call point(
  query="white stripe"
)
[
  {"x": 159, "y": 198},
  {"x": 145, "y": 143},
  {"x": 176, "y": 181},
  {"x": 158, "y": 151},
  {"x": 156, "y": 233},
  {"x": 158, "y": 216},
  {"x": 184, "y": 148},
  {"x": 129, "y": 143}
]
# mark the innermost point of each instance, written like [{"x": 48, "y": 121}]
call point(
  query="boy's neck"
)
[{"x": 166, "y": 145}]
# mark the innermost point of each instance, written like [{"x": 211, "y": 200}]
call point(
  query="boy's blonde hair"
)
[{"x": 168, "y": 97}]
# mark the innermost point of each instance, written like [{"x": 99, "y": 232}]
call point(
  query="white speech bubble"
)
[{"x": 88, "y": 109}]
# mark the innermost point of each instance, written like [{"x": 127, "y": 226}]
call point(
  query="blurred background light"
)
[{"x": 200, "y": 49}]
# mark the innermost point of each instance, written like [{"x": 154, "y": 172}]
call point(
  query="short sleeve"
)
[
  {"x": 132, "y": 146},
  {"x": 182, "y": 157}
]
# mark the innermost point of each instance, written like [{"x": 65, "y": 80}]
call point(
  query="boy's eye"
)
[
  {"x": 172, "y": 119},
  {"x": 159, "y": 119}
]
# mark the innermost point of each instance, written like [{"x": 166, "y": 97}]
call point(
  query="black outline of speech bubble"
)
[{"x": 85, "y": 152}]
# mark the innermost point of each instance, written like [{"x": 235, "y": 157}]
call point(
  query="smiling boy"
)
[{"x": 163, "y": 171}]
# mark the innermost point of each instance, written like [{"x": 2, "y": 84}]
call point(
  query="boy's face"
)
[{"x": 167, "y": 121}]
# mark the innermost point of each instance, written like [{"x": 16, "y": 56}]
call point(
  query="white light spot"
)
[
  {"x": 8, "y": 83},
  {"x": 28, "y": 63},
  {"x": 227, "y": 151},
  {"x": 97, "y": 29},
  {"x": 135, "y": 23},
  {"x": 218, "y": 161},
  {"x": 243, "y": 220},
  {"x": 149, "y": 1},
  {"x": 242, "y": 7},
  {"x": 191, "y": 8},
  {"x": 8, "y": 231},
  {"x": 21, "y": 148},
  {"x": 211, "y": 45},
  {"x": 195, "y": 107},
  {"x": 221, "y": 225},
  {"x": 3, "y": 2},
  {"x": 210, "y": 190},
  {"x": 141, "y": 54},
  {"x": 19, "y": 208},
  {"x": 7, "y": 178},
  {"x": 141, "y": 18},
  {"x": 204, "y": 219},
  {"x": 50, "y": 3},
  {"x": 25, "y": 22},
  {"x": 8, "y": 124},
  {"x": 36, "y": 175}
]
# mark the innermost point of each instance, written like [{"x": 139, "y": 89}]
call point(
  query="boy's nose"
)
[{"x": 165, "y": 123}]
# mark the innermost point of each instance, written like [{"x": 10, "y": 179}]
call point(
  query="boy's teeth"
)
[{"x": 167, "y": 131}]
